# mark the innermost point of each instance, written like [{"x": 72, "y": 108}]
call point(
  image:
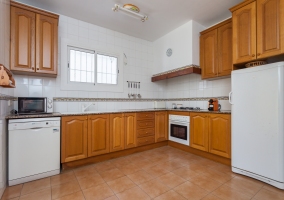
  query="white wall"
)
[
  {"x": 185, "y": 44},
  {"x": 139, "y": 68},
  {"x": 4, "y": 109}
]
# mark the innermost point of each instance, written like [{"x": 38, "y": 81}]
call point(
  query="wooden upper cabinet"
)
[
  {"x": 46, "y": 44},
  {"x": 208, "y": 54},
  {"x": 220, "y": 134},
  {"x": 199, "y": 131},
  {"x": 74, "y": 138},
  {"x": 98, "y": 135},
  {"x": 130, "y": 130},
  {"x": 270, "y": 28},
  {"x": 216, "y": 50},
  {"x": 116, "y": 132},
  {"x": 34, "y": 41},
  {"x": 244, "y": 34},
  {"x": 225, "y": 48},
  {"x": 161, "y": 126},
  {"x": 22, "y": 40}
]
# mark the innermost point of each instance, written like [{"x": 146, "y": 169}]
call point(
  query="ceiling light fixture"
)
[{"x": 132, "y": 10}]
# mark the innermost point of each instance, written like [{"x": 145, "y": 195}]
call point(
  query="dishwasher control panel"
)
[{"x": 32, "y": 124}]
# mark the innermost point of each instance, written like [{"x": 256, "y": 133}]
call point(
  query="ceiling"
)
[{"x": 164, "y": 15}]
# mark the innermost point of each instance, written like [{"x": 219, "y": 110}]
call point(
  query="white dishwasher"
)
[{"x": 33, "y": 149}]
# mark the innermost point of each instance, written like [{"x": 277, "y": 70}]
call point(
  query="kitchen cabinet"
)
[
  {"x": 216, "y": 50},
  {"x": 116, "y": 132},
  {"x": 257, "y": 30},
  {"x": 161, "y": 126},
  {"x": 145, "y": 128},
  {"x": 74, "y": 135},
  {"x": 211, "y": 133},
  {"x": 34, "y": 41},
  {"x": 98, "y": 135},
  {"x": 130, "y": 130}
]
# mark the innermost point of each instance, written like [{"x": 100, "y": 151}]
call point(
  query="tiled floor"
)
[{"x": 164, "y": 173}]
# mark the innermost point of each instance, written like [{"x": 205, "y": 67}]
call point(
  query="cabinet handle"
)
[
  {"x": 253, "y": 55},
  {"x": 258, "y": 54},
  {"x": 37, "y": 68},
  {"x": 33, "y": 68}
]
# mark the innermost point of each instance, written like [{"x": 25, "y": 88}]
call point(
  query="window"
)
[{"x": 82, "y": 67}]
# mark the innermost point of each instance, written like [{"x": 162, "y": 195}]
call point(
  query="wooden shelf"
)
[
  {"x": 6, "y": 77},
  {"x": 177, "y": 72}
]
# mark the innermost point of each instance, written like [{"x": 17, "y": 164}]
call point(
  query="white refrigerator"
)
[{"x": 257, "y": 100}]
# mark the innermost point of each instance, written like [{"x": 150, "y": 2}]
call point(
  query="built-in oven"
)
[{"x": 179, "y": 129}]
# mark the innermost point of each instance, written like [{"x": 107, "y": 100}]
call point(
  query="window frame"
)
[{"x": 79, "y": 86}]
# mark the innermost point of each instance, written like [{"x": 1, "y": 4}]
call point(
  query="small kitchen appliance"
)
[
  {"x": 213, "y": 104},
  {"x": 35, "y": 105}
]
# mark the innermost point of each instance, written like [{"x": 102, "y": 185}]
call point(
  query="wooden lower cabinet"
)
[
  {"x": 98, "y": 135},
  {"x": 74, "y": 138},
  {"x": 116, "y": 132},
  {"x": 130, "y": 130},
  {"x": 145, "y": 128},
  {"x": 220, "y": 134},
  {"x": 161, "y": 126},
  {"x": 211, "y": 133}
]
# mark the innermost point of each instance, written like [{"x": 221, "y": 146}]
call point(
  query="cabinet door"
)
[
  {"x": 244, "y": 34},
  {"x": 270, "y": 28},
  {"x": 199, "y": 131},
  {"x": 220, "y": 134},
  {"x": 225, "y": 63},
  {"x": 22, "y": 40},
  {"x": 46, "y": 44},
  {"x": 73, "y": 138},
  {"x": 161, "y": 126},
  {"x": 98, "y": 134},
  {"x": 130, "y": 130},
  {"x": 208, "y": 54},
  {"x": 116, "y": 132}
]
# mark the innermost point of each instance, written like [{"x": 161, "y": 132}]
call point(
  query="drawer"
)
[
  {"x": 145, "y": 115},
  {"x": 145, "y": 140},
  {"x": 145, "y": 124},
  {"x": 145, "y": 132}
]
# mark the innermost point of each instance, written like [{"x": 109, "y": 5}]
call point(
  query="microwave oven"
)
[{"x": 35, "y": 105}]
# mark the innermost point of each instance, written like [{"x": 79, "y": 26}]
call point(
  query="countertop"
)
[{"x": 56, "y": 114}]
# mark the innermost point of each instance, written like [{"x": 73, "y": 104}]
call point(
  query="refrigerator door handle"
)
[{"x": 230, "y": 98}]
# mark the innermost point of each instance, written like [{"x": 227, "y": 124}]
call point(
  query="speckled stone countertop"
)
[{"x": 110, "y": 112}]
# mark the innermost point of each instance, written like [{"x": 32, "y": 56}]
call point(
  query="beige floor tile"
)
[
  {"x": 205, "y": 182},
  {"x": 62, "y": 178},
  {"x": 272, "y": 188},
  {"x": 191, "y": 191},
  {"x": 154, "y": 188},
  {"x": 65, "y": 189},
  {"x": 129, "y": 168},
  {"x": 244, "y": 185},
  {"x": 171, "y": 180},
  {"x": 12, "y": 192},
  {"x": 119, "y": 162},
  {"x": 170, "y": 195},
  {"x": 17, "y": 198},
  {"x": 133, "y": 194},
  {"x": 218, "y": 176},
  {"x": 101, "y": 191},
  {"x": 121, "y": 184},
  {"x": 104, "y": 166},
  {"x": 111, "y": 174},
  {"x": 211, "y": 197},
  {"x": 90, "y": 181},
  {"x": 197, "y": 167},
  {"x": 112, "y": 198},
  {"x": 140, "y": 177},
  {"x": 144, "y": 163},
  {"x": 225, "y": 192},
  {"x": 185, "y": 173},
  {"x": 34, "y": 186},
  {"x": 85, "y": 171},
  {"x": 42, "y": 195},
  {"x": 156, "y": 171},
  {"x": 265, "y": 194},
  {"x": 75, "y": 196},
  {"x": 171, "y": 165}
]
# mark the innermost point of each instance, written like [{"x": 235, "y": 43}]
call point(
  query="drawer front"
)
[
  {"x": 145, "y": 132},
  {"x": 145, "y": 115},
  {"x": 145, "y": 124},
  {"x": 145, "y": 140}
]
